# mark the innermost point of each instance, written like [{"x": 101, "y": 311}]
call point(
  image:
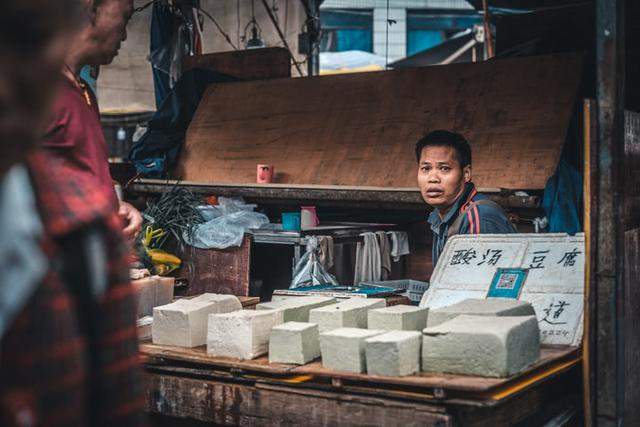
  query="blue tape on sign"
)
[{"x": 507, "y": 283}]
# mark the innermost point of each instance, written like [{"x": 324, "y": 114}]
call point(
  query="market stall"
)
[
  {"x": 330, "y": 141},
  {"x": 191, "y": 383}
]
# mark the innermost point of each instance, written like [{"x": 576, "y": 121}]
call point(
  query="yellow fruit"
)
[{"x": 159, "y": 256}]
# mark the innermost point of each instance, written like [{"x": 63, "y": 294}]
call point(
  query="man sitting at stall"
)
[{"x": 444, "y": 177}]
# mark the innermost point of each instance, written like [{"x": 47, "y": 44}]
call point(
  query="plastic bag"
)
[
  {"x": 226, "y": 224},
  {"x": 309, "y": 270}
]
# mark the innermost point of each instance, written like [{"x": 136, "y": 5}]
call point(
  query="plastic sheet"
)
[
  {"x": 309, "y": 270},
  {"x": 226, "y": 224}
]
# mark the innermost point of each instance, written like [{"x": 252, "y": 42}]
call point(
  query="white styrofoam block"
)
[
  {"x": 296, "y": 309},
  {"x": 488, "y": 346},
  {"x": 224, "y": 303},
  {"x": 344, "y": 349},
  {"x": 145, "y": 294},
  {"x": 294, "y": 342},
  {"x": 152, "y": 292},
  {"x": 399, "y": 318},
  {"x": 395, "y": 353},
  {"x": 480, "y": 307},
  {"x": 164, "y": 291},
  {"x": 351, "y": 313},
  {"x": 144, "y": 325},
  {"x": 243, "y": 334},
  {"x": 182, "y": 323}
]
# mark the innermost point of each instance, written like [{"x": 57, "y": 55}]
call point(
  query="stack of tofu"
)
[
  {"x": 486, "y": 337},
  {"x": 489, "y": 337}
]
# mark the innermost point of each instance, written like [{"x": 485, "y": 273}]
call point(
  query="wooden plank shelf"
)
[{"x": 434, "y": 386}]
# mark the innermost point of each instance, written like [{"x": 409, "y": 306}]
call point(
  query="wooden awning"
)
[{"x": 359, "y": 130}]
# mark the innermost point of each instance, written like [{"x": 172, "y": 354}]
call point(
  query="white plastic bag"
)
[
  {"x": 309, "y": 270},
  {"x": 226, "y": 224}
]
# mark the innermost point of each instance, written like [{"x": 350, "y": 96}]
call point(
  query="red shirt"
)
[{"x": 76, "y": 139}]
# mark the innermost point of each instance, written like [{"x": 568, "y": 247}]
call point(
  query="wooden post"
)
[
  {"x": 487, "y": 28},
  {"x": 590, "y": 222},
  {"x": 609, "y": 257}
]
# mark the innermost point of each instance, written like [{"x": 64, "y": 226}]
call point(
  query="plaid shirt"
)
[{"x": 71, "y": 356}]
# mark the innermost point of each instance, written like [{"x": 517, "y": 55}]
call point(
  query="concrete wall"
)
[{"x": 127, "y": 84}]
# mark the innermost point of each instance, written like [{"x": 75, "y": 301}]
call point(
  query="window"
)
[
  {"x": 428, "y": 28},
  {"x": 346, "y": 29}
]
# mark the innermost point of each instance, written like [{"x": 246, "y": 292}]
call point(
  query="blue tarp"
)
[
  {"x": 155, "y": 154},
  {"x": 562, "y": 201}
]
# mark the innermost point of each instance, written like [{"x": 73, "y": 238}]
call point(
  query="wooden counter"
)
[{"x": 187, "y": 383}]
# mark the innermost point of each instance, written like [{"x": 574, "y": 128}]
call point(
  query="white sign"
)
[{"x": 554, "y": 283}]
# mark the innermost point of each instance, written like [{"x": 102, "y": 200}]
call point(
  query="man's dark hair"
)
[{"x": 445, "y": 138}]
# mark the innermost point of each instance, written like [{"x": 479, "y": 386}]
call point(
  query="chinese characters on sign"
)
[
  {"x": 466, "y": 256},
  {"x": 553, "y": 313},
  {"x": 538, "y": 259},
  {"x": 463, "y": 256},
  {"x": 569, "y": 258},
  {"x": 492, "y": 256}
]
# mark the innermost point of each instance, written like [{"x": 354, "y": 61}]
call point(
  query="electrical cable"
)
[
  {"x": 143, "y": 7},
  {"x": 282, "y": 38},
  {"x": 200, "y": 9},
  {"x": 238, "y": 22},
  {"x": 220, "y": 30}
]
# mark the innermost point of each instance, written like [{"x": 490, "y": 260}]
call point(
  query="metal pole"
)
[
  {"x": 313, "y": 29},
  {"x": 487, "y": 28}
]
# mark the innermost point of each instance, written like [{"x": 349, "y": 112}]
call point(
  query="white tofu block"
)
[
  {"x": 480, "y": 307},
  {"x": 225, "y": 303},
  {"x": 344, "y": 349},
  {"x": 296, "y": 309},
  {"x": 242, "y": 334},
  {"x": 351, "y": 313},
  {"x": 399, "y": 318},
  {"x": 294, "y": 342},
  {"x": 488, "y": 346},
  {"x": 182, "y": 323},
  {"x": 395, "y": 353}
]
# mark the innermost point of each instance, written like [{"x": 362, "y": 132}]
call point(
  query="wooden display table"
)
[{"x": 187, "y": 383}]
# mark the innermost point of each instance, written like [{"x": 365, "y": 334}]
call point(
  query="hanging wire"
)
[
  {"x": 219, "y": 28},
  {"x": 286, "y": 16},
  {"x": 146, "y": 5},
  {"x": 200, "y": 9},
  {"x": 238, "y": 22}
]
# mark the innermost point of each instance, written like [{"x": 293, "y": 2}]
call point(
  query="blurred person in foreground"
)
[
  {"x": 75, "y": 134},
  {"x": 68, "y": 343}
]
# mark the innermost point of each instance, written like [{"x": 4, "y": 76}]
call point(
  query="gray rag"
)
[
  {"x": 385, "y": 254},
  {"x": 325, "y": 245},
  {"x": 399, "y": 244}
]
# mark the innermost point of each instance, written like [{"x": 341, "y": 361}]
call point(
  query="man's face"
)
[
  {"x": 110, "y": 29},
  {"x": 440, "y": 177}
]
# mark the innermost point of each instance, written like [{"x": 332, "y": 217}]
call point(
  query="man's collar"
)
[{"x": 434, "y": 218}]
